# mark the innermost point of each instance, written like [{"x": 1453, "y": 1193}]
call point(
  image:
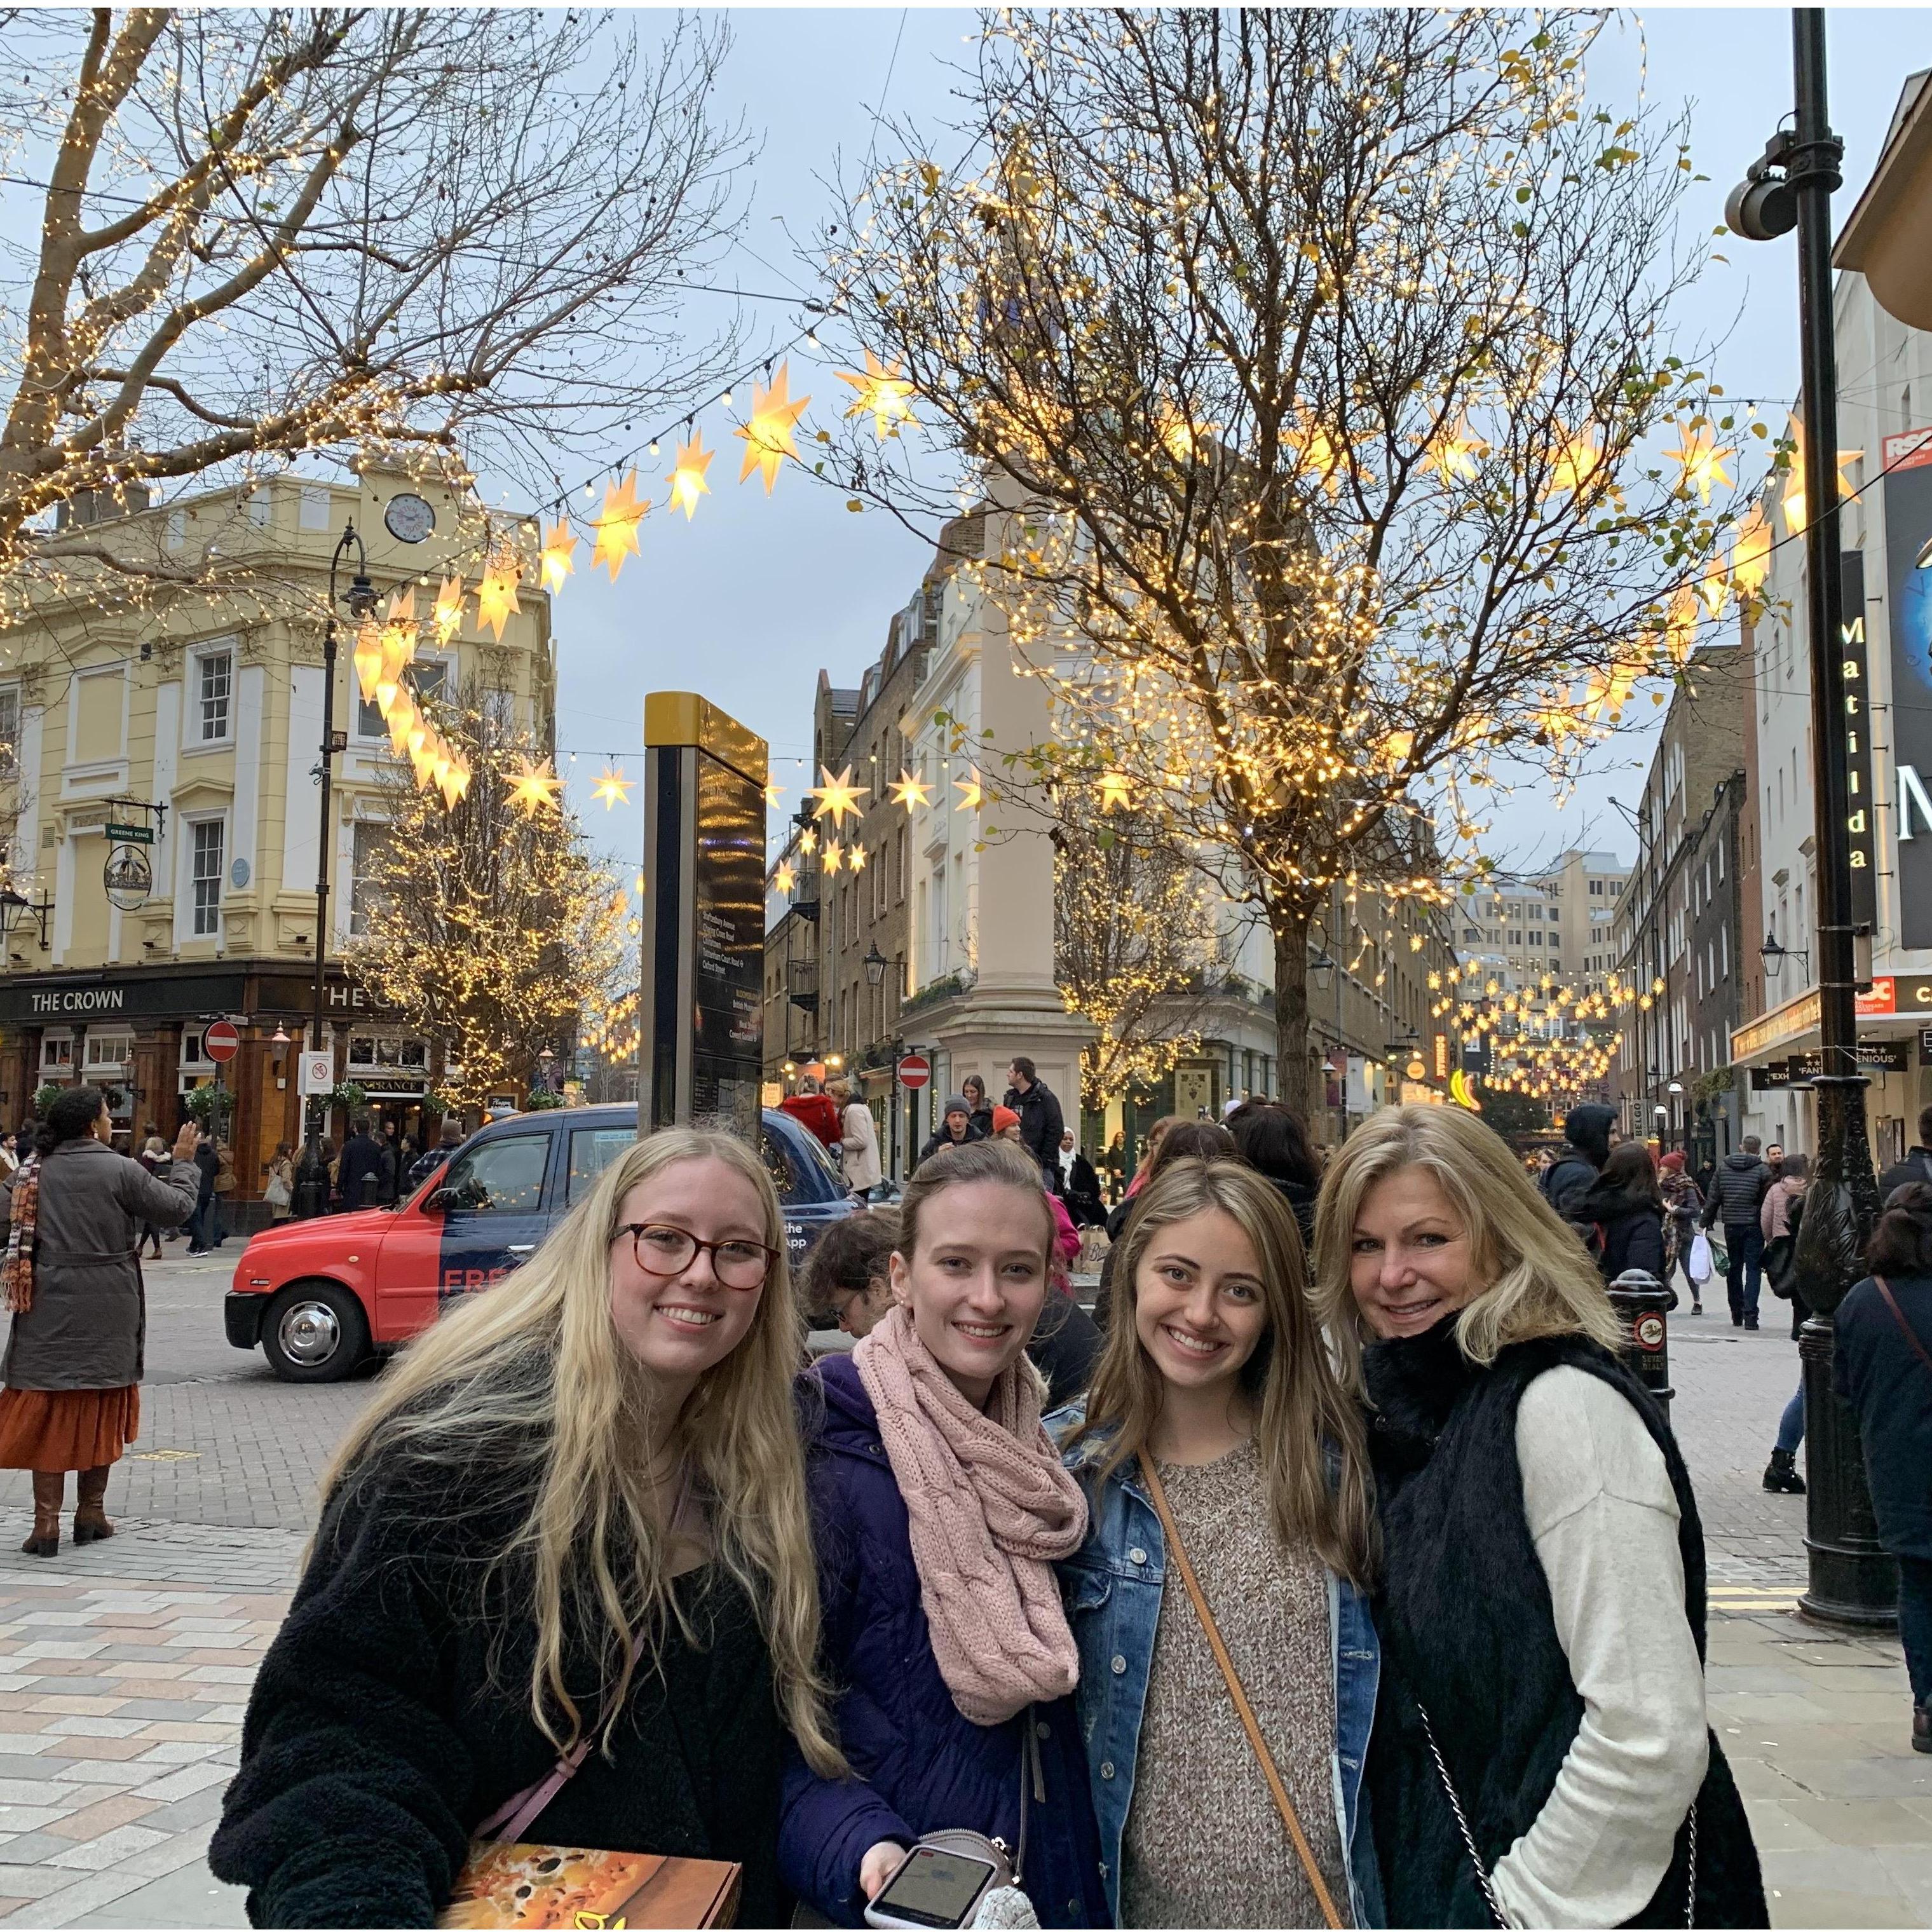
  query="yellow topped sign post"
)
[{"x": 701, "y": 999}]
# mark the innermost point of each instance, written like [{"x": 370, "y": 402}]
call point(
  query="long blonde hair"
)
[
  {"x": 1301, "y": 1410},
  {"x": 1536, "y": 1279},
  {"x": 530, "y": 1383}
]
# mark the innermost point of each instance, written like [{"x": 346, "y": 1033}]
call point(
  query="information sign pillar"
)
[{"x": 701, "y": 1001}]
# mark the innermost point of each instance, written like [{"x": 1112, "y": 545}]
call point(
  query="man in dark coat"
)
[
  {"x": 1586, "y": 1129},
  {"x": 954, "y": 1128},
  {"x": 1917, "y": 1165},
  {"x": 201, "y": 1226},
  {"x": 1737, "y": 1192},
  {"x": 1041, "y": 1125},
  {"x": 427, "y": 1164},
  {"x": 362, "y": 1154}
]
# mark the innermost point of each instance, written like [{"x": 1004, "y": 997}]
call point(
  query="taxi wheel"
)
[{"x": 314, "y": 1331}]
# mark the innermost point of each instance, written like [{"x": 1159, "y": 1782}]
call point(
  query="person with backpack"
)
[
  {"x": 1586, "y": 1133},
  {"x": 1736, "y": 1195},
  {"x": 1917, "y": 1165},
  {"x": 1778, "y": 1222},
  {"x": 1623, "y": 1202}
]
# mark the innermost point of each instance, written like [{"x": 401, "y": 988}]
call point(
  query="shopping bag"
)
[{"x": 1699, "y": 1266}]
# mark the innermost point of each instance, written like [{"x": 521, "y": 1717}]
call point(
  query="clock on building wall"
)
[{"x": 409, "y": 518}]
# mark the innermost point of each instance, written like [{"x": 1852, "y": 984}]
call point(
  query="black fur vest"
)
[{"x": 1467, "y": 1630}]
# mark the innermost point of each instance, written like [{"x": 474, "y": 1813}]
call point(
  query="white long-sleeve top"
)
[
  {"x": 860, "y": 1140},
  {"x": 1604, "y": 1520}
]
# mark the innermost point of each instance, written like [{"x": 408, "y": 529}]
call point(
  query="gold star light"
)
[
  {"x": 1573, "y": 463},
  {"x": 910, "y": 792},
  {"x": 774, "y": 791},
  {"x": 768, "y": 436},
  {"x": 1750, "y": 558},
  {"x": 448, "y": 610},
  {"x": 614, "y": 788},
  {"x": 807, "y": 842},
  {"x": 972, "y": 793},
  {"x": 833, "y": 857},
  {"x": 533, "y": 787},
  {"x": 497, "y": 595},
  {"x": 557, "y": 558},
  {"x": 1452, "y": 451},
  {"x": 836, "y": 796},
  {"x": 855, "y": 859},
  {"x": 785, "y": 878},
  {"x": 367, "y": 658},
  {"x": 1700, "y": 463},
  {"x": 1113, "y": 791},
  {"x": 883, "y": 392},
  {"x": 616, "y": 527},
  {"x": 687, "y": 477}
]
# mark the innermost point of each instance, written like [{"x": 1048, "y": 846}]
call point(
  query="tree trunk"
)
[{"x": 1289, "y": 924}]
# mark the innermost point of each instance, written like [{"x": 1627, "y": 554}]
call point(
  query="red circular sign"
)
[
  {"x": 221, "y": 1042},
  {"x": 915, "y": 1070}
]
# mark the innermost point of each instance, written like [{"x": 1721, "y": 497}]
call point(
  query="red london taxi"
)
[{"x": 320, "y": 1298}]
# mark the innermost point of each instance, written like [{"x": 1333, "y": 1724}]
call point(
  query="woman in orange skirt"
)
[{"x": 72, "y": 1398}]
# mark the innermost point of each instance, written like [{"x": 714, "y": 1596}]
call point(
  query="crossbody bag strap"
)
[
  {"x": 1905, "y": 1328},
  {"x": 1211, "y": 1631}
]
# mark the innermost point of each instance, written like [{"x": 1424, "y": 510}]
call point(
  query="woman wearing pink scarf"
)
[{"x": 940, "y": 1508}]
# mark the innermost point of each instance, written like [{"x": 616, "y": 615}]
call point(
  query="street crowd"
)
[{"x": 1334, "y": 1571}]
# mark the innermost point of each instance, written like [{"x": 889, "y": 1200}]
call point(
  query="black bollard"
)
[
  {"x": 1643, "y": 1305},
  {"x": 370, "y": 1184}
]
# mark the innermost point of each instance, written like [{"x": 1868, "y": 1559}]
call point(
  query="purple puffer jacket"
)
[{"x": 922, "y": 1767}]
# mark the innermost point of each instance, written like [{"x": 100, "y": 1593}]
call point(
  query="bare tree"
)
[
  {"x": 1319, "y": 362},
  {"x": 454, "y": 231}
]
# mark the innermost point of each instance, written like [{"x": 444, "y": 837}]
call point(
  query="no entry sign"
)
[
  {"x": 915, "y": 1070},
  {"x": 221, "y": 1042}
]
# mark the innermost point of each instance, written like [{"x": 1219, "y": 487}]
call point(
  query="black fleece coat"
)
[
  {"x": 1468, "y": 1633},
  {"x": 378, "y": 1736}
]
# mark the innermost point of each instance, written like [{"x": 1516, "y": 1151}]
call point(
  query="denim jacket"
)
[{"x": 1112, "y": 1587}]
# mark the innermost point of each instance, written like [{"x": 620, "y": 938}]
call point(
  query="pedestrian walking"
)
[
  {"x": 1626, "y": 1204},
  {"x": 954, "y": 1128},
  {"x": 1038, "y": 1107},
  {"x": 978, "y": 1108},
  {"x": 450, "y": 1138},
  {"x": 1682, "y": 1204},
  {"x": 858, "y": 1139},
  {"x": 154, "y": 1157},
  {"x": 72, "y": 1398},
  {"x": 1217, "y": 1430},
  {"x": 939, "y": 1507},
  {"x": 208, "y": 1165},
  {"x": 570, "y": 1528},
  {"x": 1917, "y": 1164},
  {"x": 814, "y": 1112},
  {"x": 1881, "y": 1365},
  {"x": 1540, "y": 1739},
  {"x": 362, "y": 1156},
  {"x": 1271, "y": 1140},
  {"x": 279, "y": 1191},
  {"x": 1734, "y": 1198},
  {"x": 1587, "y": 1129},
  {"x": 1114, "y": 1163}
]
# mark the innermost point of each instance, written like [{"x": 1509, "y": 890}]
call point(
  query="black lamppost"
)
[
  {"x": 312, "y": 1188},
  {"x": 1852, "y": 1580}
]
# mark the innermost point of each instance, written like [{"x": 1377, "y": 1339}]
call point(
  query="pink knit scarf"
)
[{"x": 990, "y": 1508}]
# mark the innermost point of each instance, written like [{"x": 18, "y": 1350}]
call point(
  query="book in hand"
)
[{"x": 557, "y": 1886}]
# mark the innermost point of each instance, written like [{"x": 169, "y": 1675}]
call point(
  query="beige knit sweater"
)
[{"x": 1204, "y": 1844}]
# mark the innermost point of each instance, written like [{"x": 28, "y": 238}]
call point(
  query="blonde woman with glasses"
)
[
  {"x": 572, "y": 1521},
  {"x": 1540, "y": 1755},
  {"x": 1214, "y": 1413}
]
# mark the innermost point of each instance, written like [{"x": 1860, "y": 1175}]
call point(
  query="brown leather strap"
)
[
  {"x": 1178, "y": 1555},
  {"x": 1906, "y": 1328}
]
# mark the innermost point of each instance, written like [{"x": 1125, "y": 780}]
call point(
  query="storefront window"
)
[
  {"x": 108, "y": 1053},
  {"x": 57, "y": 1053}
]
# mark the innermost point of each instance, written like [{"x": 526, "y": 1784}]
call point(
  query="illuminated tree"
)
[
  {"x": 1136, "y": 952},
  {"x": 1317, "y": 363},
  {"x": 488, "y": 923},
  {"x": 453, "y": 233}
]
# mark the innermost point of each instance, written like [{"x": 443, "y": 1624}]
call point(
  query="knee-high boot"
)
[
  {"x": 49, "y": 1486},
  {"x": 90, "y": 1517}
]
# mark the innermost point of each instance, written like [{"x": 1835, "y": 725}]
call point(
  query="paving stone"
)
[{"x": 110, "y": 1848}]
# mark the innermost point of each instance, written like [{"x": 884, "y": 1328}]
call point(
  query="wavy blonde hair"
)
[
  {"x": 1301, "y": 1408},
  {"x": 530, "y": 1382},
  {"x": 1537, "y": 1279}
]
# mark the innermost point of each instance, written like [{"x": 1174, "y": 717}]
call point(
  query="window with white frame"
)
[
  {"x": 428, "y": 678},
  {"x": 212, "y": 718},
  {"x": 57, "y": 1052},
  {"x": 108, "y": 1053},
  {"x": 207, "y": 844},
  {"x": 10, "y": 730},
  {"x": 367, "y": 842},
  {"x": 193, "y": 1052},
  {"x": 387, "y": 1053}
]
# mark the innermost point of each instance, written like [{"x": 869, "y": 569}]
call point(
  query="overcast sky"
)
[{"x": 749, "y": 600}]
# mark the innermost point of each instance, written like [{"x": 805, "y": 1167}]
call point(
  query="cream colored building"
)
[{"x": 203, "y": 721}]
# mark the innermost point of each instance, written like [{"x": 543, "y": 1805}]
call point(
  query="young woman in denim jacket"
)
[{"x": 1218, "y": 1373}]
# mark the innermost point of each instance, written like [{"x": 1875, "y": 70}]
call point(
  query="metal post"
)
[
  {"x": 1852, "y": 1580},
  {"x": 1643, "y": 1305}
]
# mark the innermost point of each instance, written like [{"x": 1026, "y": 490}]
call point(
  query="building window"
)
[
  {"x": 204, "y": 876},
  {"x": 108, "y": 1053},
  {"x": 367, "y": 843},
  {"x": 10, "y": 730},
  {"x": 57, "y": 1053},
  {"x": 428, "y": 678},
  {"x": 213, "y": 688}
]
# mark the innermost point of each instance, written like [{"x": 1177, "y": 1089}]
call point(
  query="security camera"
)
[{"x": 1762, "y": 206}]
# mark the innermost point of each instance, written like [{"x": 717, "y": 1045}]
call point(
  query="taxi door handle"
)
[{"x": 521, "y": 1247}]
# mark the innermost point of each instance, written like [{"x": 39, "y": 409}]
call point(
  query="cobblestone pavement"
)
[{"x": 125, "y": 1666}]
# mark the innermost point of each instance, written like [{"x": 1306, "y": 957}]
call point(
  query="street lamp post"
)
[
  {"x": 1852, "y": 1580},
  {"x": 312, "y": 1189},
  {"x": 1321, "y": 970}
]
